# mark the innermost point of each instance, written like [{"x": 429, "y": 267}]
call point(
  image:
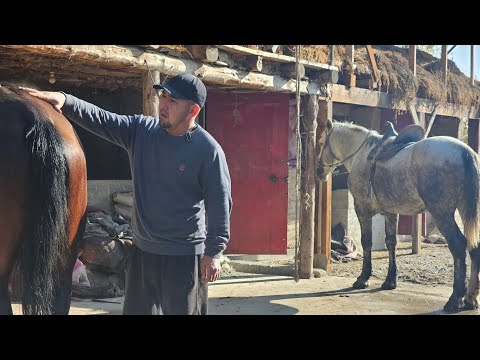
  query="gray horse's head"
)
[{"x": 325, "y": 163}]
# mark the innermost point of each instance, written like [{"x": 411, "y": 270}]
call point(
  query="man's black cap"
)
[{"x": 185, "y": 86}]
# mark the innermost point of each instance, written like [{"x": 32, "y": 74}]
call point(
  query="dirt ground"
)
[{"x": 423, "y": 288}]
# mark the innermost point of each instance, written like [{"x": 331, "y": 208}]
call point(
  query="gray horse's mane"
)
[{"x": 373, "y": 135}]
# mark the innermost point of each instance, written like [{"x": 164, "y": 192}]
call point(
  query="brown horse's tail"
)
[
  {"x": 471, "y": 190},
  {"x": 44, "y": 249}
]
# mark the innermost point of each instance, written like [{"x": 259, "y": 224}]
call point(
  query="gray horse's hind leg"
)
[
  {"x": 5, "y": 304},
  {"x": 471, "y": 299},
  {"x": 391, "y": 221},
  {"x": 364, "y": 216},
  {"x": 457, "y": 243}
]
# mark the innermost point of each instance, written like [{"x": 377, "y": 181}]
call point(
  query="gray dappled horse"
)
[{"x": 438, "y": 174}]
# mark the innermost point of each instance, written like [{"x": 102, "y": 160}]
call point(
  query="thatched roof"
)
[{"x": 396, "y": 77}]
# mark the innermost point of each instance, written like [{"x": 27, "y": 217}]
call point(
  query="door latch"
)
[{"x": 274, "y": 179}]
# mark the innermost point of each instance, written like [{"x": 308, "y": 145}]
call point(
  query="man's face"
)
[{"x": 172, "y": 111}]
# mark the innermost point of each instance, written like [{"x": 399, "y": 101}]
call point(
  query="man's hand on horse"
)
[
  {"x": 210, "y": 269},
  {"x": 57, "y": 99}
]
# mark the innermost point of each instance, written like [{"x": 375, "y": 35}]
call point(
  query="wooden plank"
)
[
  {"x": 366, "y": 97},
  {"x": 444, "y": 63},
  {"x": 350, "y": 54},
  {"x": 150, "y": 98},
  {"x": 472, "y": 65},
  {"x": 474, "y": 135},
  {"x": 324, "y": 222},
  {"x": 412, "y": 59},
  {"x": 307, "y": 188},
  {"x": 274, "y": 57},
  {"x": 373, "y": 63},
  {"x": 132, "y": 59}
]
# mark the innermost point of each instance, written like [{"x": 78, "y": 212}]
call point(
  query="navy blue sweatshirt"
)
[{"x": 175, "y": 180}]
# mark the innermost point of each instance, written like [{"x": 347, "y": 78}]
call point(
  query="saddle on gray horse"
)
[{"x": 407, "y": 136}]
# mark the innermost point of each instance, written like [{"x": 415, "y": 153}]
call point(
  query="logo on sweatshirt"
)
[{"x": 181, "y": 167}]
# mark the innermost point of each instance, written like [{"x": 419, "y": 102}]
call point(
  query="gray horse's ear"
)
[{"x": 329, "y": 124}]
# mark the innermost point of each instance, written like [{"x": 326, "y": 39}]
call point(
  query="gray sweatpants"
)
[{"x": 164, "y": 284}]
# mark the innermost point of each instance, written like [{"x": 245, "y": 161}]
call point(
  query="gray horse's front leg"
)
[
  {"x": 391, "y": 221},
  {"x": 364, "y": 216}
]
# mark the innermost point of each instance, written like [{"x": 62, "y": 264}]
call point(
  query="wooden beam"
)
[
  {"x": 413, "y": 111},
  {"x": 474, "y": 135},
  {"x": 274, "y": 57},
  {"x": 373, "y": 63},
  {"x": 307, "y": 188},
  {"x": 412, "y": 59},
  {"x": 150, "y": 98},
  {"x": 350, "y": 54},
  {"x": 290, "y": 70},
  {"x": 132, "y": 59},
  {"x": 444, "y": 63},
  {"x": 472, "y": 65},
  {"x": 273, "y": 48},
  {"x": 204, "y": 53},
  {"x": 430, "y": 122},
  {"x": 324, "y": 222},
  {"x": 254, "y": 63},
  {"x": 366, "y": 97},
  {"x": 451, "y": 49}
]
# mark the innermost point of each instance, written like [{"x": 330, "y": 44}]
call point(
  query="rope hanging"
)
[{"x": 299, "y": 160}]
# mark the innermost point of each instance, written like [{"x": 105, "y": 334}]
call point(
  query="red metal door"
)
[{"x": 253, "y": 131}]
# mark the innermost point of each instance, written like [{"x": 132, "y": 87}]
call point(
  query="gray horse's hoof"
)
[
  {"x": 389, "y": 285},
  {"x": 453, "y": 306},
  {"x": 360, "y": 284},
  {"x": 470, "y": 306}
]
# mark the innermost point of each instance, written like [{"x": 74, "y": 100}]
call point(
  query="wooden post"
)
[
  {"x": 473, "y": 134},
  {"x": 412, "y": 59},
  {"x": 417, "y": 224},
  {"x": 324, "y": 223},
  {"x": 350, "y": 53},
  {"x": 444, "y": 63},
  {"x": 472, "y": 67},
  {"x": 150, "y": 98},
  {"x": 416, "y": 233},
  {"x": 307, "y": 188},
  {"x": 373, "y": 62}
]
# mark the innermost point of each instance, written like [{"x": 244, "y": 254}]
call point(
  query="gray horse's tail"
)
[{"x": 472, "y": 197}]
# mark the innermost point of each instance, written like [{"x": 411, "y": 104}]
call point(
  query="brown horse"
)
[{"x": 43, "y": 187}]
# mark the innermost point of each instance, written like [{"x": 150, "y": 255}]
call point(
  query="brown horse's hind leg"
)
[
  {"x": 364, "y": 216},
  {"x": 457, "y": 243},
  {"x": 471, "y": 299},
  {"x": 63, "y": 293},
  {"x": 391, "y": 221},
  {"x": 5, "y": 304}
]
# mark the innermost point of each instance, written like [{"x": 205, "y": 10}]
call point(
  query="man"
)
[{"x": 179, "y": 172}]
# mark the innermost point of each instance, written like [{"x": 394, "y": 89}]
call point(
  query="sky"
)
[{"x": 461, "y": 57}]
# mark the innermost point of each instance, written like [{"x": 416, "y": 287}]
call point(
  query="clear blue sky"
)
[{"x": 461, "y": 56}]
